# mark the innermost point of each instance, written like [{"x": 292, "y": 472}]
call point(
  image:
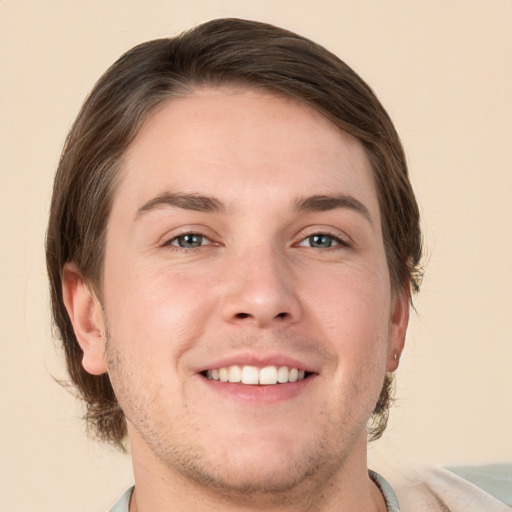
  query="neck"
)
[{"x": 347, "y": 488}]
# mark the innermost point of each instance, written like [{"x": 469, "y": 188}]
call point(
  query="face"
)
[{"x": 244, "y": 243}]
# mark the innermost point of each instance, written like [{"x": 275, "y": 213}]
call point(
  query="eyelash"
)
[
  {"x": 174, "y": 241},
  {"x": 335, "y": 240}
]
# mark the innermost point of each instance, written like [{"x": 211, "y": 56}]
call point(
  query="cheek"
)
[
  {"x": 155, "y": 312},
  {"x": 354, "y": 317},
  {"x": 353, "y": 313},
  {"x": 353, "y": 306}
]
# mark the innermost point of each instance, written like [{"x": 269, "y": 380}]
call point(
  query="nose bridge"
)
[{"x": 260, "y": 289}]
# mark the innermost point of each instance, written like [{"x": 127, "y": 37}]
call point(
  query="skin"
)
[{"x": 257, "y": 287}]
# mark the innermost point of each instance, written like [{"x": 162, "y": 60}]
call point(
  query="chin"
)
[
  {"x": 252, "y": 466},
  {"x": 251, "y": 477}
]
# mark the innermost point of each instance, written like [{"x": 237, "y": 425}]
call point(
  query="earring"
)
[
  {"x": 395, "y": 356},
  {"x": 101, "y": 334}
]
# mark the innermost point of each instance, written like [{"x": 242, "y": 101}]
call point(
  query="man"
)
[{"x": 232, "y": 245}]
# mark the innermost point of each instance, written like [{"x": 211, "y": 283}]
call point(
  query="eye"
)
[
  {"x": 321, "y": 241},
  {"x": 189, "y": 241}
]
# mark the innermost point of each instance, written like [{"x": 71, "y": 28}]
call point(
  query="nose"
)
[{"x": 262, "y": 291}]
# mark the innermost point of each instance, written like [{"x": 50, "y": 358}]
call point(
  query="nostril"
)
[{"x": 242, "y": 316}]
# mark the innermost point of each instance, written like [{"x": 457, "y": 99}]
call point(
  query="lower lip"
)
[{"x": 254, "y": 394}]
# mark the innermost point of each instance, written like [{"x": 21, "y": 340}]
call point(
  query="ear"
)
[
  {"x": 86, "y": 315},
  {"x": 399, "y": 319}
]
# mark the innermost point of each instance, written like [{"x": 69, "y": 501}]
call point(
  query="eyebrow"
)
[
  {"x": 322, "y": 203},
  {"x": 194, "y": 202},
  {"x": 202, "y": 203}
]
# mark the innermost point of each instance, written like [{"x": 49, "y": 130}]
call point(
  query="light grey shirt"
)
[
  {"x": 387, "y": 492},
  {"x": 123, "y": 504}
]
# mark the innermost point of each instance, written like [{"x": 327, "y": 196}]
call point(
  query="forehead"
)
[{"x": 228, "y": 142}]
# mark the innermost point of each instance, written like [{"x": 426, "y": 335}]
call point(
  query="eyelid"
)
[
  {"x": 340, "y": 237},
  {"x": 336, "y": 241},
  {"x": 176, "y": 238},
  {"x": 169, "y": 237}
]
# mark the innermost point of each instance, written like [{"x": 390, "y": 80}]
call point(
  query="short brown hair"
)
[{"x": 223, "y": 51}]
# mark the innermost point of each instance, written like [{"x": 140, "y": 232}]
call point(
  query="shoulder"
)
[{"x": 438, "y": 489}]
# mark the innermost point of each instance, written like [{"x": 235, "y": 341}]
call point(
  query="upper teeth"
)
[{"x": 254, "y": 375}]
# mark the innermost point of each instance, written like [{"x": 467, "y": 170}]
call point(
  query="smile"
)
[{"x": 252, "y": 375}]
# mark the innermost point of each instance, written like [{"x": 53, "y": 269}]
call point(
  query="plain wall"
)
[{"x": 443, "y": 71}]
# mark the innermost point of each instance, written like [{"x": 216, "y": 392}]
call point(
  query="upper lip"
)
[{"x": 259, "y": 360}]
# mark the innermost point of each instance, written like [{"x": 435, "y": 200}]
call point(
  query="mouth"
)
[{"x": 256, "y": 376}]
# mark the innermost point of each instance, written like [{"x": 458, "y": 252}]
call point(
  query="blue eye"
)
[
  {"x": 321, "y": 241},
  {"x": 189, "y": 241}
]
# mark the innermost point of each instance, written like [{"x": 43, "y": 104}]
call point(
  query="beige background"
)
[{"x": 443, "y": 71}]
